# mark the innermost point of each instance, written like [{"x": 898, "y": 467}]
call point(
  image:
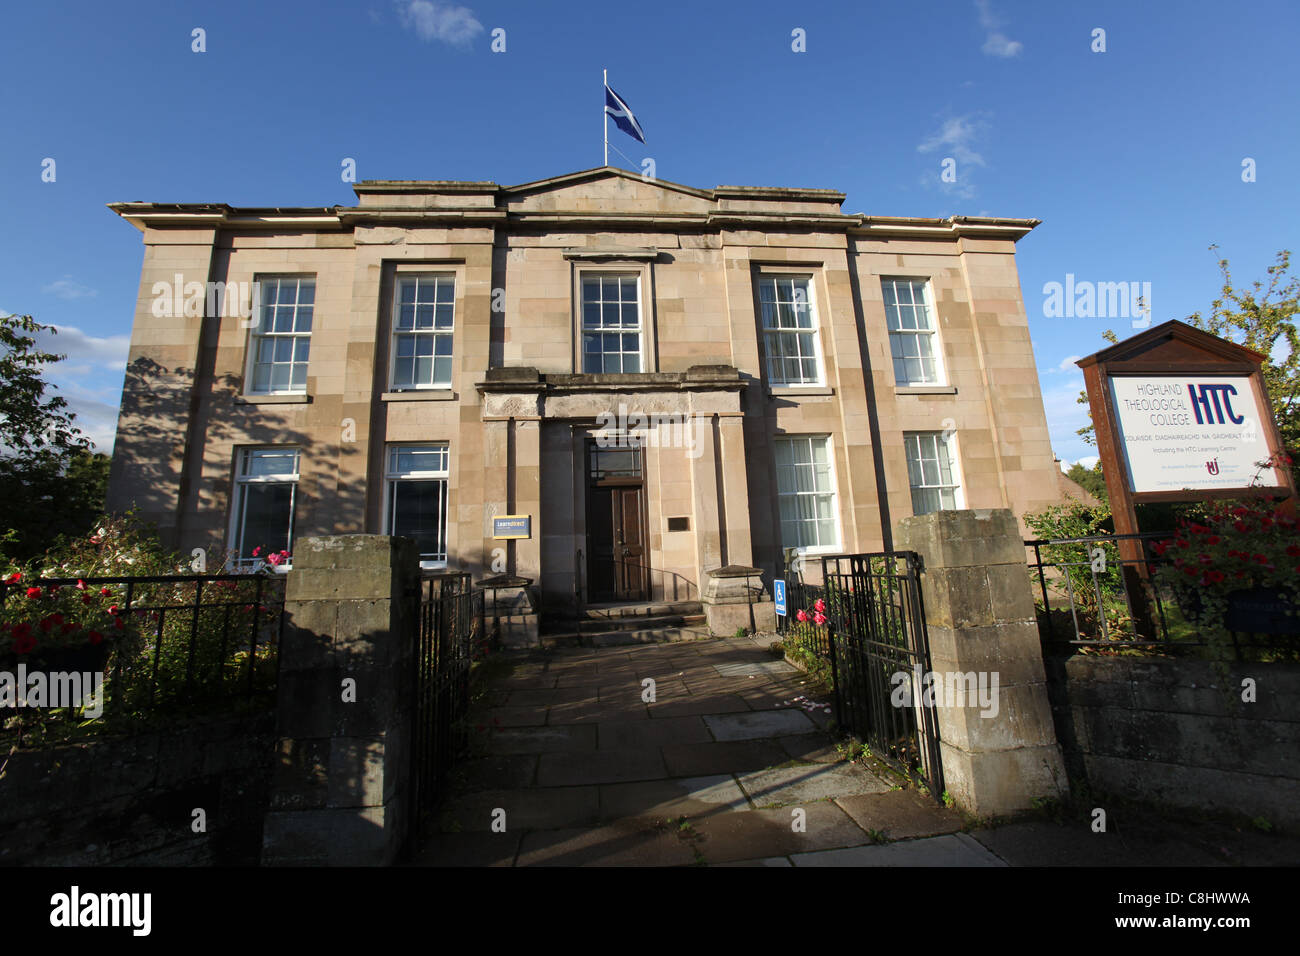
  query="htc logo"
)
[{"x": 1210, "y": 402}]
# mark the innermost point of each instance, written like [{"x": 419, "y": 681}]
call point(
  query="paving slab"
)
[
  {"x": 543, "y": 740},
  {"x": 545, "y": 697},
  {"x": 775, "y": 694},
  {"x": 604, "y": 766},
  {"x": 590, "y": 711},
  {"x": 514, "y": 717},
  {"x": 808, "y": 783},
  {"x": 495, "y": 772},
  {"x": 469, "y": 849},
  {"x": 751, "y": 726},
  {"x": 747, "y": 834},
  {"x": 733, "y": 756},
  {"x": 531, "y": 808},
  {"x": 745, "y": 669},
  {"x": 697, "y": 705},
  {"x": 649, "y": 734},
  {"x": 618, "y": 845},
  {"x": 683, "y": 796},
  {"x": 666, "y": 688},
  {"x": 955, "y": 849},
  {"x": 900, "y": 814},
  {"x": 810, "y": 748}
]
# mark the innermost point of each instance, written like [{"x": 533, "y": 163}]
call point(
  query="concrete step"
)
[
  {"x": 619, "y": 638},
  {"x": 660, "y": 609}
]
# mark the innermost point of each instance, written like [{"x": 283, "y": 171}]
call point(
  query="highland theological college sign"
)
[{"x": 1189, "y": 431}]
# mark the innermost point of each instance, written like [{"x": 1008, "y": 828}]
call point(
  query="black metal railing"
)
[
  {"x": 446, "y": 610},
  {"x": 877, "y": 630},
  {"x": 802, "y": 596},
  {"x": 164, "y": 645},
  {"x": 1113, "y": 591}
]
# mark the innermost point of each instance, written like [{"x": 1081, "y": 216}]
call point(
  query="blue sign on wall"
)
[
  {"x": 778, "y": 596},
  {"x": 512, "y": 526}
]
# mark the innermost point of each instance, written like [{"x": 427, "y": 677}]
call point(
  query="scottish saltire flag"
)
[{"x": 621, "y": 113}]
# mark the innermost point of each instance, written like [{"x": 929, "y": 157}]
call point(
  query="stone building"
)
[{"x": 662, "y": 380}]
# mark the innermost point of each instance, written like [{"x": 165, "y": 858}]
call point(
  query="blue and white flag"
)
[{"x": 617, "y": 108}]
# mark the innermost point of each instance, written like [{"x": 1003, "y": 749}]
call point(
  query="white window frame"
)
[
  {"x": 392, "y": 476},
  {"x": 833, "y": 492},
  {"x": 243, "y": 480},
  {"x": 256, "y": 335},
  {"x": 930, "y": 334},
  {"x": 814, "y": 330},
  {"x": 396, "y": 334},
  {"x": 581, "y": 326},
  {"x": 948, "y": 442}
]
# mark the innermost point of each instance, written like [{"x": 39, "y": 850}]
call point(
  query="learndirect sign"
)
[
  {"x": 1192, "y": 431},
  {"x": 512, "y": 526}
]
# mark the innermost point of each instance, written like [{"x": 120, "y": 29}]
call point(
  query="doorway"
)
[{"x": 616, "y": 550}]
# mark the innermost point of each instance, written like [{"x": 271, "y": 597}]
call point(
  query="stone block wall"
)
[
  {"x": 1171, "y": 732},
  {"x": 131, "y": 800}
]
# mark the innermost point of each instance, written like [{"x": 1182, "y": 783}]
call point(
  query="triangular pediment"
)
[
  {"x": 606, "y": 189},
  {"x": 1174, "y": 343}
]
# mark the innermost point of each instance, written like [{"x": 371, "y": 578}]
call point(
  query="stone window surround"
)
[
  {"x": 903, "y": 272},
  {"x": 622, "y": 262},
  {"x": 394, "y": 270},
  {"x": 829, "y": 441},
  {"x": 958, "y": 487},
  {"x": 240, "y": 480},
  {"x": 247, "y": 393},
  {"x": 815, "y": 271},
  {"x": 391, "y": 478}
]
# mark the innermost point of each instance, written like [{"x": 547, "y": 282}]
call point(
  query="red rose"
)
[
  {"x": 1293, "y": 550},
  {"x": 119, "y": 623},
  {"x": 104, "y": 592},
  {"x": 1212, "y": 539},
  {"x": 113, "y": 609},
  {"x": 14, "y": 578},
  {"x": 95, "y": 637},
  {"x": 33, "y": 592},
  {"x": 1240, "y": 526},
  {"x": 1214, "y": 577},
  {"x": 24, "y": 643},
  {"x": 1182, "y": 543},
  {"x": 68, "y": 628},
  {"x": 1161, "y": 547}
]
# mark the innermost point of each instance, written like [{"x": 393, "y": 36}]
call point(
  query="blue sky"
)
[{"x": 1132, "y": 157}]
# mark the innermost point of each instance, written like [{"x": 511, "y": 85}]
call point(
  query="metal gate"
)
[
  {"x": 880, "y": 651},
  {"x": 444, "y": 615}
]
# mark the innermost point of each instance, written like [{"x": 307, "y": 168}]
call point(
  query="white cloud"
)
[
  {"x": 956, "y": 138},
  {"x": 84, "y": 350},
  {"x": 1067, "y": 364},
  {"x": 437, "y": 21},
  {"x": 1088, "y": 461},
  {"x": 996, "y": 43},
  {"x": 67, "y": 288}
]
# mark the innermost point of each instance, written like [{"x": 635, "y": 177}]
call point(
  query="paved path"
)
[{"x": 728, "y": 765}]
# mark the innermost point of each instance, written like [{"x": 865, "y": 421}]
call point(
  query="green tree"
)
[
  {"x": 47, "y": 472},
  {"x": 1089, "y": 479},
  {"x": 1259, "y": 317}
]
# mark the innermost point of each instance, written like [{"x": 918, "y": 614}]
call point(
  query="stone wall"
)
[
  {"x": 1169, "y": 731},
  {"x": 131, "y": 800}
]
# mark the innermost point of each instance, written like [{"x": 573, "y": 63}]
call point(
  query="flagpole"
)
[{"x": 605, "y": 114}]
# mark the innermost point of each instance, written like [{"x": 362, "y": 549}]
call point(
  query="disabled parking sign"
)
[{"x": 778, "y": 596}]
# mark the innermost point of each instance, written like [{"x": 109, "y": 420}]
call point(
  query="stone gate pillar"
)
[
  {"x": 979, "y": 607},
  {"x": 340, "y": 791}
]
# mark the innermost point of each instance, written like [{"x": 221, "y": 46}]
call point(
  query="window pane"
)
[
  {"x": 418, "y": 513},
  {"x": 268, "y": 513}
]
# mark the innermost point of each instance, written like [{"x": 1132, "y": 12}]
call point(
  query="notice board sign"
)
[
  {"x": 510, "y": 527},
  {"x": 1194, "y": 432}
]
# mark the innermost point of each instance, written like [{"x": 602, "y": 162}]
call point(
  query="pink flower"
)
[
  {"x": 81, "y": 585},
  {"x": 275, "y": 559},
  {"x": 802, "y": 616},
  {"x": 820, "y": 606},
  {"x": 819, "y": 618},
  {"x": 257, "y": 550}
]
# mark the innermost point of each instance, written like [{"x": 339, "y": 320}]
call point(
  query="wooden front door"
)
[{"x": 616, "y": 551}]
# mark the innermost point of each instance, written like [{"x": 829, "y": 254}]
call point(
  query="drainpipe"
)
[{"x": 873, "y": 420}]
